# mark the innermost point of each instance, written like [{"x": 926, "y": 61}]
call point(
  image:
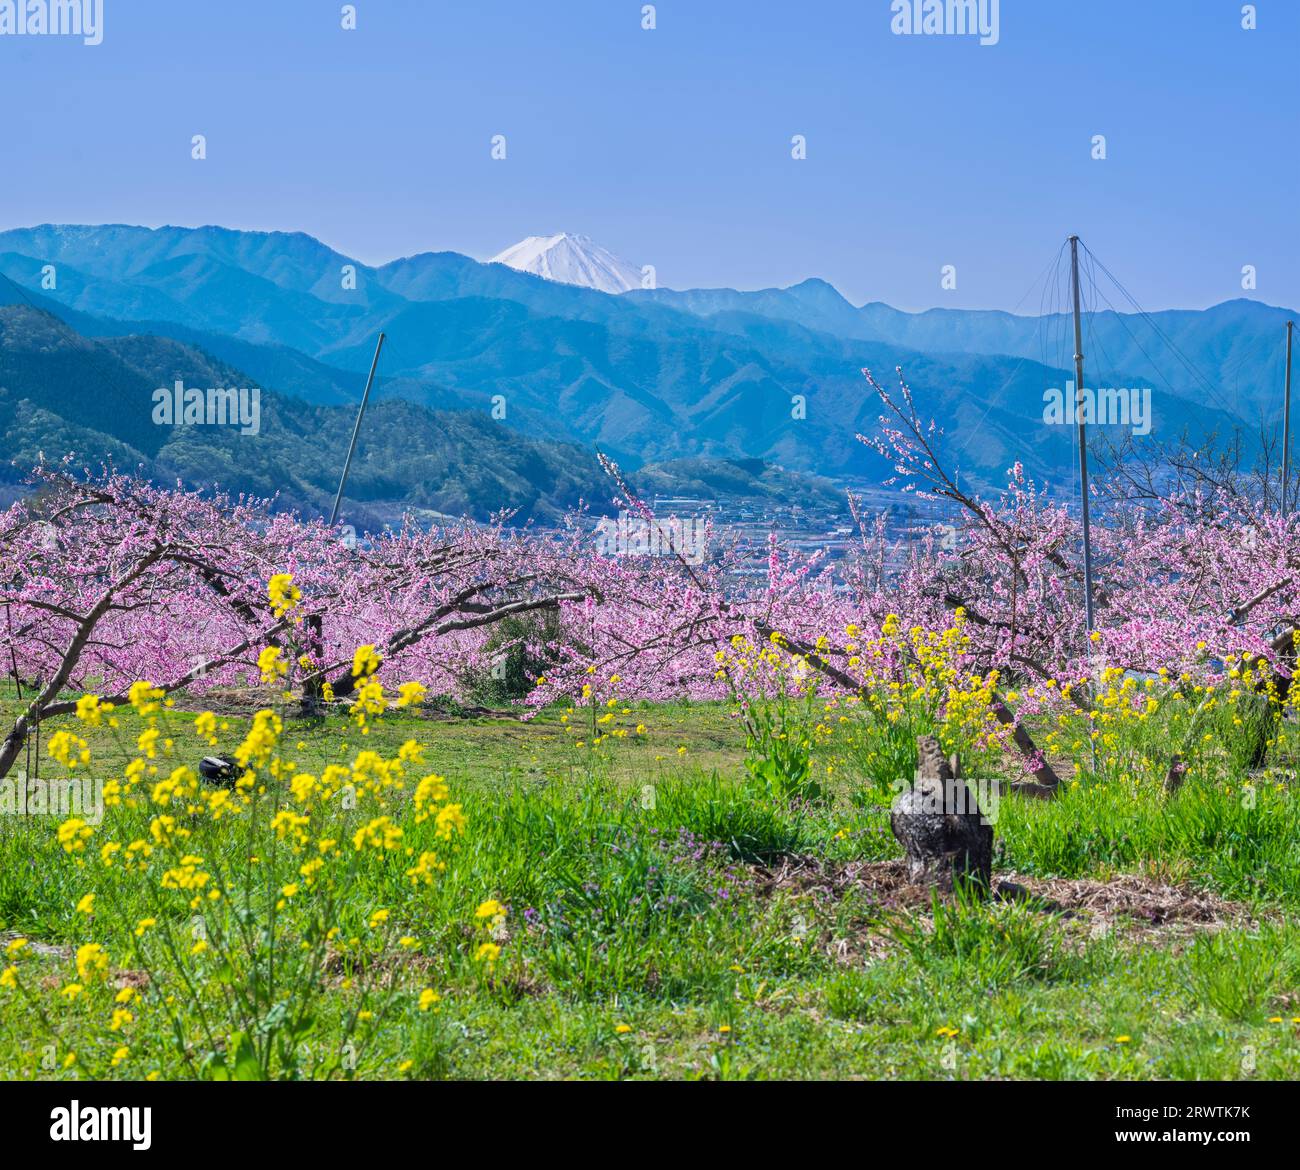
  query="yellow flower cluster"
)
[
  {"x": 1131, "y": 724},
  {"x": 905, "y": 683},
  {"x": 165, "y": 842},
  {"x": 283, "y": 594},
  {"x": 603, "y": 710},
  {"x": 491, "y": 916}
]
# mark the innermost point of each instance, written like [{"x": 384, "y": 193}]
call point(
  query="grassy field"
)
[{"x": 647, "y": 914}]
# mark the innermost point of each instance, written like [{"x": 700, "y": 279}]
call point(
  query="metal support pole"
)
[
  {"x": 1083, "y": 436},
  {"x": 1286, "y": 421},
  {"x": 356, "y": 430}
]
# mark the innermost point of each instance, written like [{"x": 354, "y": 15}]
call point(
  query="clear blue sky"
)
[{"x": 672, "y": 147}]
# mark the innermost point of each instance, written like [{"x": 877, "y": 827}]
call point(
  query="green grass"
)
[{"x": 643, "y": 939}]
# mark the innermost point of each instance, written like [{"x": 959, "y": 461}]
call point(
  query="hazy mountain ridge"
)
[
  {"x": 1238, "y": 345},
  {"x": 650, "y": 376},
  {"x": 60, "y": 392},
  {"x": 63, "y": 393}
]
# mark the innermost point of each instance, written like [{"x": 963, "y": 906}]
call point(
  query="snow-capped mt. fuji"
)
[{"x": 571, "y": 260}]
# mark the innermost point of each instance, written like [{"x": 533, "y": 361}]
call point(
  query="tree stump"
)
[{"x": 940, "y": 825}]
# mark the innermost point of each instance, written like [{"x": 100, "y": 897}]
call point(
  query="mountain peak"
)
[
  {"x": 816, "y": 290},
  {"x": 571, "y": 259}
]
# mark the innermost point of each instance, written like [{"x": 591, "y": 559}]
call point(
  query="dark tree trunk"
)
[{"x": 940, "y": 825}]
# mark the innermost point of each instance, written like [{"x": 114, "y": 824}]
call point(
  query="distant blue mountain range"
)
[{"x": 648, "y": 376}]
